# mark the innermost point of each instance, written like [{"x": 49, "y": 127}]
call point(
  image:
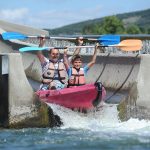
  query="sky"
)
[{"x": 56, "y": 13}]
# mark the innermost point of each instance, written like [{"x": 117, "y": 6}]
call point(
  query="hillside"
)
[{"x": 139, "y": 18}]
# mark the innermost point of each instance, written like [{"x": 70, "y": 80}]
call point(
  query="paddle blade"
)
[
  {"x": 13, "y": 35},
  {"x": 109, "y": 40},
  {"x": 130, "y": 45},
  {"x": 25, "y": 49}
]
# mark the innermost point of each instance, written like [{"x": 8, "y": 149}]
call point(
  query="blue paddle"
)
[
  {"x": 25, "y": 49},
  {"x": 109, "y": 39},
  {"x": 103, "y": 40},
  {"x": 125, "y": 45}
]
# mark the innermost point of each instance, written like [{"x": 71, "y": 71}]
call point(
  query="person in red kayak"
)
[
  {"x": 76, "y": 73},
  {"x": 53, "y": 69}
]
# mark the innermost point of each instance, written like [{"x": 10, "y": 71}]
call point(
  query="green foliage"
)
[
  {"x": 133, "y": 29},
  {"x": 91, "y": 29},
  {"x": 143, "y": 30},
  {"x": 110, "y": 25},
  {"x": 148, "y": 30},
  {"x": 119, "y": 24}
]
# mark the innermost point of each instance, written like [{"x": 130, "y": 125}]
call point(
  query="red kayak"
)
[{"x": 81, "y": 97}]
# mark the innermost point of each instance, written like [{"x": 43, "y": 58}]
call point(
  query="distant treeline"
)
[
  {"x": 127, "y": 23},
  {"x": 113, "y": 25}
]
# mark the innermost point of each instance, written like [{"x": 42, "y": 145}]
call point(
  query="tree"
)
[
  {"x": 110, "y": 25},
  {"x": 143, "y": 30},
  {"x": 148, "y": 31},
  {"x": 133, "y": 29},
  {"x": 91, "y": 29}
]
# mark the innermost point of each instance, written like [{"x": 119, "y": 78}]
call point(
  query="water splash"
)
[
  {"x": 107, "y": 116},
  {"x": 106, "y": 119}
]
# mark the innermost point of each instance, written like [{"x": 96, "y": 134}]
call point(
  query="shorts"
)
[{"x": 55, "y": 85}]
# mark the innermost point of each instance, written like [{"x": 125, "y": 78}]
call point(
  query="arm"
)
[
  {"x": 92, "y": 62},
  {"x": 66, "y": 62},
  {"x": 79, "y": 42},
  {"x": 39, "y": 53}
]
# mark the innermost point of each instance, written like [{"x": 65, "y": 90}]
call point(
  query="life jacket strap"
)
[
  {"x": 75, "y": 85},
  {"x": 77, "y": 74}
]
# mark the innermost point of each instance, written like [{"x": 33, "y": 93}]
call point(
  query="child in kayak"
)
[{"x": 76, "y": 73}]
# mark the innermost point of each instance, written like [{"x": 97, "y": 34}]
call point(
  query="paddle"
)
[
  {"x": 130, "y": 45},
  {"x": 104, "y": 39},
  {"x": 125, "y": 45},
  {"x": 25, "y": 49}
]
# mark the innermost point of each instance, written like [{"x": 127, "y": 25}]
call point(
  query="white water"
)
[
  {"x": 106, "y": 120},
  {"x": 95, "y": 130}
]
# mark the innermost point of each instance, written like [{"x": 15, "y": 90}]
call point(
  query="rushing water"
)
[{"x": 95, "y": 130}]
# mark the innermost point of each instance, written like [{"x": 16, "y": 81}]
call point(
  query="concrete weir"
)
[
  {"x": 19, "y": 107},
  {"x": 118, "y": 73},
  {"x": 125, "y": 77},
  {"x": 127, "y": 74}
]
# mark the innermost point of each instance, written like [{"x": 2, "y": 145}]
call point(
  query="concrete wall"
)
[
  {"x": 7, "y": 26},
  {"x": 118, "y": 73},
  {"x": 138, "y": 100},
  {"x": 127, "y": 73},
  {"x": 10, "y": 45},
  {"x": 18, "y": 104}
]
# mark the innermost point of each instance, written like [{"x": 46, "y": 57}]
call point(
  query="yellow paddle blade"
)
[{"x": 130, "y": 45}]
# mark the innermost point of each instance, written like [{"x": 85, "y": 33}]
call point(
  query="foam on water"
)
[
  {"x": 106, "y": 119},
  {"x": 95, "y": 130}
]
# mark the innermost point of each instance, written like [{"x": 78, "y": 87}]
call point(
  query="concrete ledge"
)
[
  {"x": 7, "y": 26},
  {"x": 10, "y": 45},
  {"x": 19, "y": 105},
  {"x": 117, "y": 72},
  {"x": 137, "y": 103},
  {"x": 125, "y": 72}
]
